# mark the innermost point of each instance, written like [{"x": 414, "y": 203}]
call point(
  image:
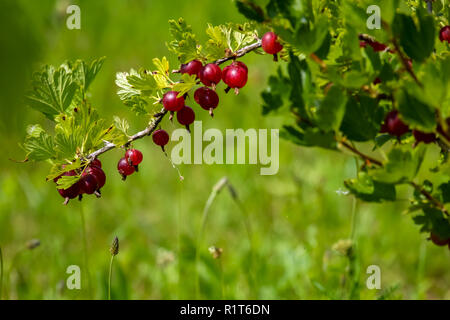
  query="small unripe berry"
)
[
  {"x": 210, "y": 75},
  {"x": 161, "y": 138},
  {"x": 235, "y": 75},
  {"x": 186, "y": 116},
  {"x": 171, "y": 102},
  {"x": 394, "y": 125},
  {"x": 270, "y": 44},
  {"x": 134, "y": 157},
  {"x": 424, "y": 137},
  {"x": 437, "y": 240},
  {"x": 124, "y": 168},
  {"x": 444, "y": 34},
  {"x": 206, "y": 98},
  {"x": 192, "y": 67}
]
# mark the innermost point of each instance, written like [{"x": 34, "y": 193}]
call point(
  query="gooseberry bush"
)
[{"x": 379, "y": 93}]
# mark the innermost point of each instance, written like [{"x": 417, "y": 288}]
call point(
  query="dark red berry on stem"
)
[
  {"x": 394, "y": 125},
  {"x": 134, "y": 157},
  {"x": 161, "y": 138},
  {"x": 424, "y": 137},
  {"x": 207, "y": 99},
  {"x": 171, "y": 102},
  {"x": 186, "y": 116},
  {"x": 444, "y": 34},
  {"x": 235, "y": 75},
  {"x": 210, "y": 75},
  {"x": 437, "y": 240},
  {"x": 192, "y": 67},
  {"x": 88, "y": 183},
  {"x": 271, "y": 45},
  {"x": 96, "y": 163},
  {"x": 124, "y": 168}
]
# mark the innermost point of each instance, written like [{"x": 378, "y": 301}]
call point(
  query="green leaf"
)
[
  {"x": 309, "y": 37},
  {"x": 66, "y": 182},
  {"x": 121, "y": 125},
  {"x": 273, "y": 95},
  {"x": 302, "y": 88},
  {"x": 53, "y": 91},
  {"x": 310, "y": 137},
  {"x": 60, "y": 168},
  {"x": 331, "y": 111},
  {"x": 432, "y": 220},
  {"x": 137, "y": 89},
  {"x": 39, "y": 145},
  {"x": 416, "y": 40},
  {"x": 365, "y": 188},
  {"x": 402, "y": 166},
  {"x": 184, "y": 45},
  {"x": 85, "y": 73},
  {"x": 445, "y": 190},
  {"x": 416, "y": 113},
  {"x": 362, "y": 119}
]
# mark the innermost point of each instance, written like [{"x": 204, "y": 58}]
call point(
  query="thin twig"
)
[{"x": 365, "y": 157}]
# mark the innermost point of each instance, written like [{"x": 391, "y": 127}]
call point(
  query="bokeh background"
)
[{"x": 285, "y": 237}]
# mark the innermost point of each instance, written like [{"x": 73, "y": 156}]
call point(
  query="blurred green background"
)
[{"x": 293, "y": 218}]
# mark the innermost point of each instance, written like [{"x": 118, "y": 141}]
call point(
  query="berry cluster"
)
[
  {"x": 235, "y": 76},
  {"x": 92, "y": 179},
  {"x": 129, "y": 163}
]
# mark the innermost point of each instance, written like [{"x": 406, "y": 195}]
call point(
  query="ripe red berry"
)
[
  {"x": 444, "y": 34},
  {"x": 171, "y": 102},
  {"x": 424, "y": 137},
  {"x": 235, "y": 75},
  {"x": 207, "y": 99},
  {"x": 71, "y": 192},
  {"x": 270, "y": 44},
  {"x": 134, "y": 157},
  {"x": 192, "y": 67},
  {"x": 96, "y": 163},
  {"x": 124, "y": 168},
  {"x": 186, "y": 116},
  {"x": 437, "y": 240},
  {"x": 210, "y": 74},
  {"x": 161, "y": 138},
  {"x": 394, "y": 125},
  {"x": 88, "y": 183}
]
